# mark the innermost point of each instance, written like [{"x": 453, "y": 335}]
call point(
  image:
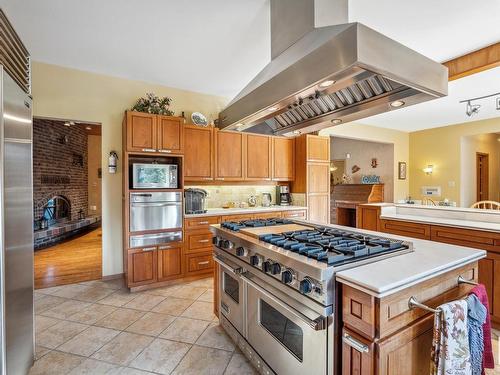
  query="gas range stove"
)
[{"x": 305, "y": 260}]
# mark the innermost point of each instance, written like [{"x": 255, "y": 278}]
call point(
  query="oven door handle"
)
[
  {"x": 236, "y": 271},
  {"x": 164, "y": 204},
  {"x": 317, "y": 324}
]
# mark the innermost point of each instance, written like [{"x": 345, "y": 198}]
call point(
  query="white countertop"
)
[
  {"x": 391, "y": 275},
  {"x": 249, "y": 210},
  {"x": 488, "y": 220}
]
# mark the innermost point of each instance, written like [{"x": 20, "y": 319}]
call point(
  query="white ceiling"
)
[{"x": 217, "y": 46}]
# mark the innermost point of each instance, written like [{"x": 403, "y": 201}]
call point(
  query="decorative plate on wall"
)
[
  {"x": 199, "y": 119},
  {"x": 370, "y": 179}
]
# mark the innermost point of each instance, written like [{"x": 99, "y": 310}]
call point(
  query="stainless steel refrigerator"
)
[{"x": 16, "y": 228}]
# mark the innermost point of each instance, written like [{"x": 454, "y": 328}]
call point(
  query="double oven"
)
[{"x": 277, "y": 329}]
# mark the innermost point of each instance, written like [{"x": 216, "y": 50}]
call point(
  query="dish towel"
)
[
  {"x": 476, "y": 316},
  {"x": 450, "y": 345},
  {"x": 488, "y": 360}
]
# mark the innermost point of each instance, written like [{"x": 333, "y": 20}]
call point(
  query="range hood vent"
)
[{"x": 331, "y": 75}]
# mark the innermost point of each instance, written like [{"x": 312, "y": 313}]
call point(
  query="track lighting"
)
[{"x": 471, "y": 110}]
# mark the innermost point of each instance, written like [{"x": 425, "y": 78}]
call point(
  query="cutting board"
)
[{"x": 256, "y": 232}]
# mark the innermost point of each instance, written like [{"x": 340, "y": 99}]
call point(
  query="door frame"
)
[{"x": 482, "y": 165}]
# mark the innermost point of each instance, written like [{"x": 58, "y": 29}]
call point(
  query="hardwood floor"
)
[{"x": 73, "y": 261}]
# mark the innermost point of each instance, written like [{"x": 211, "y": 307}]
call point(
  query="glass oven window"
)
[
  {"x": 231, "y": 287},
  {"x": 283, "y": 329}
]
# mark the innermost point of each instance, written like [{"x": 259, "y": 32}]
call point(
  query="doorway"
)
[
  {"x": 66, "y": 202},
  {"x": 482, "y": 176}
]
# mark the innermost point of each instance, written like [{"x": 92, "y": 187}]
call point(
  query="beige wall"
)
[
  {"x": 441, "y": 147},
  {"x": 71, "y": 94},
  {"x": 399, "y": 139},
  {"x": 362, "y": 153},
  {"x": 94, "y": 182}
]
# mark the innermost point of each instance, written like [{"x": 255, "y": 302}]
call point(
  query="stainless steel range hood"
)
[{"x": 329, "y": 75}]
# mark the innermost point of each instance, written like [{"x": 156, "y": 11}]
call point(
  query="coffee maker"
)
[
  {"x": 283, "y": 197},
  {"x": 195, "y": 201}
]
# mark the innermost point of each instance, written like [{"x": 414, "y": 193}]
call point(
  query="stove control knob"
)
[
  {"x": 240, "y": 251},
  {"x": 216, "y": 241},
  {"x": 254, "y": 260},
  {"x": 275, "y": 269},
  {"x": 287, "y": 277},
  {"x": 266, "y": 266},
  {"x": 226, "y": 244},
  {"x": 305, "y": 286}
]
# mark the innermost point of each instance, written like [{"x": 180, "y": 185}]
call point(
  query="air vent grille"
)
[
  {"x": 13, "y": 55},
  {"x": 365, "y": 89}
]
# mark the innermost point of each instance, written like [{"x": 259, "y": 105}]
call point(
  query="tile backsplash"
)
[{"x": 218, "y": 195}]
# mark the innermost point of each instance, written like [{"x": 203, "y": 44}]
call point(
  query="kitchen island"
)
[{"x": 356, "y": 316}]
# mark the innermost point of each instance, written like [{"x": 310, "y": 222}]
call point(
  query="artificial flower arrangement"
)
[{"x": 151, "y": 103}]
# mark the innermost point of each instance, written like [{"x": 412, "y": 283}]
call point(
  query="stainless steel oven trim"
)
[
  {"x": 163, "y": 204},
  {"x": 235, "y": 270}
]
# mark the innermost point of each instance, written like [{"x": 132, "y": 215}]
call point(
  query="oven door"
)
[
  {"x": 231, "y": 303},
  {"x": 292, "y": 340}
]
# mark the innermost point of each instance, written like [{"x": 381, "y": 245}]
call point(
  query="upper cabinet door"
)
[
  {"x": 283, "y": 158},
  {"x": 141, "y": 132},
  {"x": 198, "y": 153},
  {"x": 170, "y": 134},
  {"x": 318, "y": 148},
  {"x": 229, "y": 156},
  {"x": 258, "y": 157}
]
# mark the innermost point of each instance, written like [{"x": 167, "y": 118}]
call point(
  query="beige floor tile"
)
[
  {"x": 208, "y": 296},
  {"x": 58, "y": 334},
  {"x": 70, "y": 291},
  {"x": 164, "y": 291},
  {"x": 66, "y": 309},
  {"x": 44, "y": 322},
  {"x": 131, "y": 371},
  {"x": 56, "y": 363},
  {"x": 151, "y": 324},
  {"x": 185, "y": 330},
  {"x": 201, "y": 360},
  {"x": 37, "y": 295},
  {"x": 144, "y": 302},
  {"x": 118, "y": 298},
  {"x": 50, "y": 290},
  {"x": 239, "y": 365},
  {"x": 162, "y": 356},
  {"x": 40, "y": 351},
  {"x": 93, "y": 294},
  {"x": 109, "y": 284},
  {"x": 215, "y": 337},
  {"x": 47, "y": 303},
  {"x": 173, "y": 306},
  {"x": 206, "y": 283},
  {"x": 120, "y": 318},
  {"x": 92, "y": 314},
  {"x": 200, "y": 310},
  {"x": 189, "y": 292},
  {"x": 94, "y": 367},
  {"x": 88, "y": 341},
  {"x": 123, "y": 348}
]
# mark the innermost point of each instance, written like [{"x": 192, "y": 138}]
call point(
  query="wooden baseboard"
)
[
  {"x": 172, "y": 282},
  {"x": 113, "y": 277}
]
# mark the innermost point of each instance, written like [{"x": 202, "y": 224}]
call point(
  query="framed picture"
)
[{"x": 402, "y": 170}]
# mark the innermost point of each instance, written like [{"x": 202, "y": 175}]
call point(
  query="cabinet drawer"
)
[
  {"x": 236, "y": 218},
  {"x": 200, "y": 222},
  {"x": 198, "y": 241},
  {"x": 358, "y": 311},
  {"x": 358, "y": 355},
  {"x": 267, "y": 215},
  {"x": 466, "y": 237},
  {"x": 199, "y": 263},
  {"x": 404, "y": 228},
  {"x": 300, "y": 214}
]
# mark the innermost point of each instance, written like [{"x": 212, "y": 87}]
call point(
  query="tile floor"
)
[{"x": 98, "y": 327}]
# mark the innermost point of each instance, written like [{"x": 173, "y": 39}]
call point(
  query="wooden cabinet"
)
[
  {"x": 146, "y": 132},
  {"x": 295, "y": 214},
  {"x": 367, "y": 217},
  {"x": 141, "y": 132},
  {"x": 318, "y": 148},
  {"x": 170, "y": 134},
  {"x": 258, "y": 157},
  {"x": 169, "y": 262},
  {"x": 268, "y": 215},
  {"x": 142, "y": 266},
  {"x": 229, "y": 156},
  {"x": 202, "y": 222},
  {"x": 467, "y": 237},
  {"x": 283, "y": 159},
  {"x": 319, "y": 208},
  {"x": 405, "y": 228},
  {"x": 318, "y": 178},
  {"x": 358, "y": 357},
  {"x": 198, "y": 153},
  {"x": 199, "y": 263},
  {"x": 198, "y": 241}
]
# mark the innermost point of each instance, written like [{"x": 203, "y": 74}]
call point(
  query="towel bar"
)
[{"x": 462, "y": 280}]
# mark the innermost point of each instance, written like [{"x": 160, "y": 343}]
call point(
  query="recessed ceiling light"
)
[
  {"x": 297, "y": 132},
  {"x": 397, "y": 103},
  {"x": 336, "y": 121},
  {"x": 326, "y": 83},
  {"x": 67, "y": 124},
  {"x": 272, "y": 109}
]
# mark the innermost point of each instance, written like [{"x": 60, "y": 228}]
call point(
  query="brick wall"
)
[{"x": 59, "y": 168}]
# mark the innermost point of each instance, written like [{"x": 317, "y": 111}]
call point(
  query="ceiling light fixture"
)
[
  {"x": 473, "y": 109},
  {"x": 397, "y": 103},
  {"x": 296, "y": 132},
  {"x": 429, "y": 169},
  {"x": 327, "y": 83},
  {"x": 336, "y": 121}
]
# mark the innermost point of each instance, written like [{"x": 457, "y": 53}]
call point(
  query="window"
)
[{"x": 231, "y": 287}]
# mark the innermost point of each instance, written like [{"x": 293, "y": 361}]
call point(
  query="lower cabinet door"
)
[
  {"x": 358, "y": 356},
  {"x": 142, "y": 266},
  {"x": 199, "y": 263},
  {"x": 169, "y": 262}
]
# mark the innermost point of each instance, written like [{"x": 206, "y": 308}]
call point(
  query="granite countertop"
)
[
  {"x": 237, "y": 211},
  {"x": 462, "y": 217},
  {"x": 391, "y": 275}
]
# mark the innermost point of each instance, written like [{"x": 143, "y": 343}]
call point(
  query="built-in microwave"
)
[{"x": 154, "y": 176}]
